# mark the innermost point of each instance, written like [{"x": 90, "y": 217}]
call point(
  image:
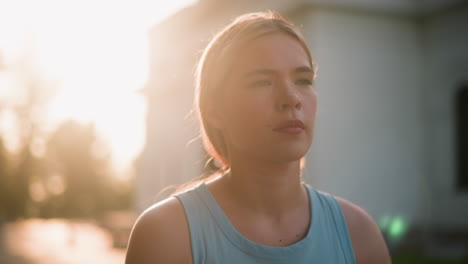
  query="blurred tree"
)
[
  {"x": 19, "y": 198},
  {"x": 4, "y": 173},
  {"x": 3, "y": 164},
  {"x": 28, "y": 115},
  {"x": 29, "y": 97},
  {"x": 26, "y": 100},
  {"x": 70, "y": 178},
  {"x": 87, "y": 186}
]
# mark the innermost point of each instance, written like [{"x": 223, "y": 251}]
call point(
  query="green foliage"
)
[
  {"x": 4, "y": 178},
  {"x": 394, "y": 227},
  {"x": 89, "y": 186},
  {"x": 410, "y": 259},
  {"x": 68, "y": 181}
]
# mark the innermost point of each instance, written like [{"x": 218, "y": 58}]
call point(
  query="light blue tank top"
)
[{"x": 215, "y": 240}]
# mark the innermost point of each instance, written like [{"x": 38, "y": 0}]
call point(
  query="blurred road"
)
[{"x": 38, "y": 241}]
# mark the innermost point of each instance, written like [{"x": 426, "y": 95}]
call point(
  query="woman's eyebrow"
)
[
  {"x": 259, "y": 72},
  {"x": 265, "y": 71},
  {"x": 304, "y": 69}
]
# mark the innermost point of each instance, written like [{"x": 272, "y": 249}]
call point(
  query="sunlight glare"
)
[
  {"x": 97, "y": 52},
  {"x": 9, "y": 130}
]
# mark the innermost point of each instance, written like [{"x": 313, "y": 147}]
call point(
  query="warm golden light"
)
[{"x": 96, "y": 53}]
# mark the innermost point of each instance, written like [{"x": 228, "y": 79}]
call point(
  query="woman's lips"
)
[
  {"x": 290, "y": 127},
  {"x": 291, "y": 130}
]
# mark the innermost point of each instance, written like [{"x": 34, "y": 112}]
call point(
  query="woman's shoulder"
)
[
  {"x": 160, "y": 235},
  {"x": 366, "y": 238}
]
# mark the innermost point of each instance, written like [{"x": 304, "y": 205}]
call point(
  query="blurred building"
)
[{"x": 386, "y": 133}]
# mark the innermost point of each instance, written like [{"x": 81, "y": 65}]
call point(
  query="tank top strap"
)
[
  {"x": 330, "y": 206},
  {"x": 195, "y": 213}
]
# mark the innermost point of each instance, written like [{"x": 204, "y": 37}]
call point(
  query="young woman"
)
[{"x": 257, "y": 103}]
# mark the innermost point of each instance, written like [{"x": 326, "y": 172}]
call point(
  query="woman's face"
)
[{"x": 268, "y": 103}]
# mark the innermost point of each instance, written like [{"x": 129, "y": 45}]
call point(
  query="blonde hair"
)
[{"x": 214, "y": 66}]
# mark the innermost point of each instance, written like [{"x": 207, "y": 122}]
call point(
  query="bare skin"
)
[
  {"x": 161, "y": 235},
  {"x": 262, "y": 196}
]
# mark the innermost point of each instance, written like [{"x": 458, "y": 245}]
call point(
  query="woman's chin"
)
[{"x": 289, "y": 155}]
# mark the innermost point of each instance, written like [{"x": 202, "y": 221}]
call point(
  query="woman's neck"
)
[{"x": 272, "y": 189}]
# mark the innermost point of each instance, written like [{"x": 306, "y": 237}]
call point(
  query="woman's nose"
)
[{"x": 288, "y": 98}]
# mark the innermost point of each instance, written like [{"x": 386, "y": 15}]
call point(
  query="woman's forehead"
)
[{"x": 277, "y": 51}]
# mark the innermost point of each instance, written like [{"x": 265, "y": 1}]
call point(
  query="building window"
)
[{"x": 461, "y": 119}]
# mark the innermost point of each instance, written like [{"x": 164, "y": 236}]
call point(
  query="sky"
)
[{"x": 95, "y": 53}]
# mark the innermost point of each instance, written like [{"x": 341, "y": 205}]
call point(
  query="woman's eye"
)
[
  {"x": 304, "y": 82},
  {"x": 260, "y": 83}
]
